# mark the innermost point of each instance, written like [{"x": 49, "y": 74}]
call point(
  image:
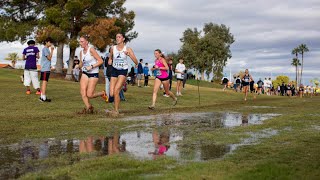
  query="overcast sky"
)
[{"x": 265, "y": 31}]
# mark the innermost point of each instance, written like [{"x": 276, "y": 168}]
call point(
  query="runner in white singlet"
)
[
  {"x": 89, "y": 63},
  {"x": 118, "y": 57}
]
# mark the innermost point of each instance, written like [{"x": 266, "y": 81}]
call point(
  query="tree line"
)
[
  {"x": 206, "y": 51},
  {"x": 64, "y": 21}
]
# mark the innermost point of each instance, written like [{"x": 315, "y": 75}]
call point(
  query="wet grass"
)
[{"x": 291, "y": 154}]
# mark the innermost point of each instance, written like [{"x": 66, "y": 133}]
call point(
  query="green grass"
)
[
  {"x": 291, "y": 154},
  {"x": 204, "y": 83}
]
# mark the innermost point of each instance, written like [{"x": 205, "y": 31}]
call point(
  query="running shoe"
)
[
  {"x": 165, "y": 95},
  {"x": 151, "y": 107},
  {"x": 105, "y": 97},
  {"x": 47, "y": 100},
  {"x": 38, "y": 93},
  {"x": 28, "y": 92}
]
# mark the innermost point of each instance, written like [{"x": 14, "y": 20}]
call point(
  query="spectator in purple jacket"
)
[{"x": 30, "y": 55}]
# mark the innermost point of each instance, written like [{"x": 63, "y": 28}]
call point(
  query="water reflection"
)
[
  {"x": 161, "y": 142},
  {"x": 18, "y": 159},
  {"x": 212, "y": 120},
  {"x": 161, "y": 138}
]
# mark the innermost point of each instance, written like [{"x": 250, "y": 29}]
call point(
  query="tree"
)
[
  {"x": 59, "y": 38},
  {"x": 295, "y": 51},
  {"x": 13, "y": 57},
  {"x": 296, "y": 63},
  {"x": 315, "y": 81},
  {"x": 18, "y": 19},
  {"x": 302, "y": 49},
  {"x": 279, "y": 80},
  {"x": 175, "y": 58},
  {"x": 220, "y": 40},
  {"x": 69, "y": 17},
  {"x": 101, "y": 32},
  {"x": 207, "y": 51}
]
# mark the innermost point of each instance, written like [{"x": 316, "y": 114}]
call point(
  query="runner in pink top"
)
[
  {"x": 161, "y": 71},
  {"x": 162, "y": 74}
]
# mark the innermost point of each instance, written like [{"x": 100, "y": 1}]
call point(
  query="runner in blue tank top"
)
[{"x": 246, "y": 79}]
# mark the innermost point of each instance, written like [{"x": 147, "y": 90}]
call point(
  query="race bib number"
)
[
  {"x": 246, "y": 80},
  {"x": 158, "y": 73},
  {"x": 119, "y": 64}
]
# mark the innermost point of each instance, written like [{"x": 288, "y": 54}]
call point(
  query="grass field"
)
[{"x": 292, "y": 153}]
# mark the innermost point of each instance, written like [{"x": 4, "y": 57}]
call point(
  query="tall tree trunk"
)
[
  {"x": 70, "y": 65},
  {"x": 59, "y": 63},
  {"x": 301, "y": 67},
  {"x": 202, "y": 75},
  {"x": 296, "y": 76},
  {"x": 196, "y": 74}
]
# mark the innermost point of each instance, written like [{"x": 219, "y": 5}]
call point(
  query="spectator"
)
[
  {"x": 30, "y": 55},
  {"x": 140, "y": 72},
  {"x": 224, "y": 82},
  {"x": 260, "y": 85},
  {"x": 146, "y": 75}
]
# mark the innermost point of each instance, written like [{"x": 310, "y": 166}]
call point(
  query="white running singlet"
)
[
  {"x": 120, "y": 61},
  {"x": 89, "y": 60}
]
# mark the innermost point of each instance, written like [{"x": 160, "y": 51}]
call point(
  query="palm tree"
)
[
  {"x": 295, "y": 52},
  {"x": 302, "y": 49},
  {"x": 296, "y": 62},
  {"x": 13, "y": 57}
]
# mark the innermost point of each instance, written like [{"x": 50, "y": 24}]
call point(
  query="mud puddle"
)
[
  {"x": 211, "y": 119},
  {"x": 160, "y": 137}
]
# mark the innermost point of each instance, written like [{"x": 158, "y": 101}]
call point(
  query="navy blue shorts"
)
[
  {"x": 163, "y": 79},
  {"x": 116, "y": 72},
  {"x": 91, "y": 75},
  {"x": 45, "y": 76},
  {"x": 246, "y": 84}
]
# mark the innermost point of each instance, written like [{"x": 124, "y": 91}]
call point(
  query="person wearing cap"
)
[{"x": 30, "y": 54}]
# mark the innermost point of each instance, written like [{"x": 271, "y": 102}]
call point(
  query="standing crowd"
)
[
  {"x": 116, "y": 66},
  {"x": 245, "y": 83}
]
